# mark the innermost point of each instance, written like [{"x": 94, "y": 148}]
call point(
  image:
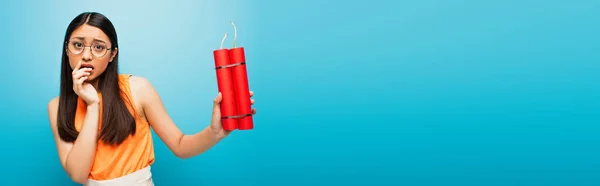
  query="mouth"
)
[{"x": 87, "y": 66}]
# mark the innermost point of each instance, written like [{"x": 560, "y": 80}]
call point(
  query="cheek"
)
[
  {"x": 100, "y": 67},
  {"x": 72, "y": 61}
]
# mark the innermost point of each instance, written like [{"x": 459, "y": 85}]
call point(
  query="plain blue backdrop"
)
[{"x": 432, "y": 92}]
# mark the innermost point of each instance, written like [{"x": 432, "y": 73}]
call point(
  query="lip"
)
[{"x": 87, "y": 66}]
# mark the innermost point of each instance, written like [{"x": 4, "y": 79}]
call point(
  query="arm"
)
[
  {"x": 183, "y": 146},
  {"x": 76, "y": 158}
]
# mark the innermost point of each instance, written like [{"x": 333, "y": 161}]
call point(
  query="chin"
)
[{"x": 91, "y": 79}]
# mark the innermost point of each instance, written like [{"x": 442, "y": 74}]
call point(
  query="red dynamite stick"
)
[
  {"x": 240, "y": 83},
  {"x": 241, "y": 88},
  {"x": 226, "y": 87}
]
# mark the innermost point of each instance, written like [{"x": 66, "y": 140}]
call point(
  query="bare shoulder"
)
[
  {"x": 53, "y": 102},
  {"x": 138, "y": 83},
  {"x": 141, "y": 88},
  {"x": 53, "y": 110}
]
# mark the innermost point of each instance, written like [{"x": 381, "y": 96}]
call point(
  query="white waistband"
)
[{"x": 142, "y": 177}]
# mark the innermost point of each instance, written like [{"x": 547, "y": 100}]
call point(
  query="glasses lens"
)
[
  {"x": 75, "y": 47},
  {"x": 99, "y": 50}
]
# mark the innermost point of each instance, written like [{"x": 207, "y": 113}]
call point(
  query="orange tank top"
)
[{"x": 135, "y": 153}]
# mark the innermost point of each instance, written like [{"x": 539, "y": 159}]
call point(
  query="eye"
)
[
  {"x": 99, "y": 47},
  {"x": 78, "y": 44}
]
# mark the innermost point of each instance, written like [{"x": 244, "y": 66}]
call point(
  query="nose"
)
[{"x": 86, "y": 54}]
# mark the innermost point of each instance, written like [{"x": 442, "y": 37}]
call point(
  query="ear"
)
[{"x": 114, "y": 53}]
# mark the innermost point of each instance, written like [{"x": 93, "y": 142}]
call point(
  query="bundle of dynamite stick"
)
[{"x": 232, "y": 81}]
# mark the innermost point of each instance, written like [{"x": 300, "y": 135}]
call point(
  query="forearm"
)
[
  {"x": 192, "y": 145},
  {"x": 80, "y": 158}
]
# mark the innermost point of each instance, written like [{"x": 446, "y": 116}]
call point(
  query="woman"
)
[{"x": 101, "y": 120}]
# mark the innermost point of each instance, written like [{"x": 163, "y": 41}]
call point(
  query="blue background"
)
[{"x": 375, "y": 92}]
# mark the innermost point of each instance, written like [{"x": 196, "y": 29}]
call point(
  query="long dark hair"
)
[{"x": 117, "y": 122}]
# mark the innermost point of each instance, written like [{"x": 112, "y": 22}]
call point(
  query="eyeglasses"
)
[{"x": 97, "y": 49}]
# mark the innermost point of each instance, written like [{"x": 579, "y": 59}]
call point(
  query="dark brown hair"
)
[{"x": 117, "y": 121}]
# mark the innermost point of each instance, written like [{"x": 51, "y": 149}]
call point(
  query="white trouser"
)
[{"x": 142, "y": 177}]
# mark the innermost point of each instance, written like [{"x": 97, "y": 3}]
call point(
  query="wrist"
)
[
  {"x": 93, "y": 106},
  {"x": 218, "y": 136}
]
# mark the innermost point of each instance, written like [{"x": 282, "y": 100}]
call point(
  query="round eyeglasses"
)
[{"x": 97, "y": 49}]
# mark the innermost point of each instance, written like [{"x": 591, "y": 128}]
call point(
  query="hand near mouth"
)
[{"x": 84, "y": 89}]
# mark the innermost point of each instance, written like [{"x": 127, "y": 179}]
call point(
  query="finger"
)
[
  {"x": 79, "y": 74},
  {"x": 82, "y": 71},
  {"x": 81, "y": 80},
  {"x": 251, "y": 101},
  {"x": 251, "y": 93},
  {"x": 78, "y": 84},
  {"x": 85, "y": 69},
  {"x": 77, "y": 79},
  {"x": 77, "y": 66},
  {"x": 217, "y": 99},
  {"x": 253, "y": 111}
]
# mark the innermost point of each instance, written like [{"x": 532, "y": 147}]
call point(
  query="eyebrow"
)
[{"x": 98, "y": 40}]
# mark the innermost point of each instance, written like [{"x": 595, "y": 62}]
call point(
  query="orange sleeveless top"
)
[{"x": 135, "y": 153}]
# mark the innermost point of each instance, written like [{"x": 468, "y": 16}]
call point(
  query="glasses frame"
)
[{"x": 84, "y": 47}]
